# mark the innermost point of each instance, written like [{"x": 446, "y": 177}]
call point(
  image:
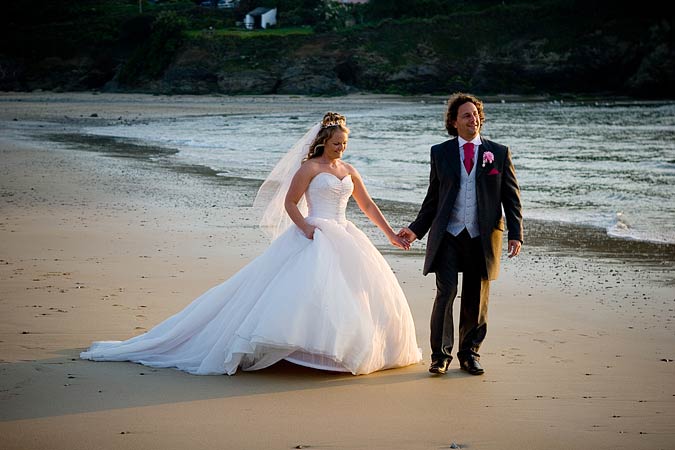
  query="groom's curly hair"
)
[{"x": 454, "y": 102}]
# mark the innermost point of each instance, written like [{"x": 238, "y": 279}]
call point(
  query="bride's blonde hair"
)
[{"x": 331, "y": 122}]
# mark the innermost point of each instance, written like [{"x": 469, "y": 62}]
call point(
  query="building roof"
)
[{"x": 259, "y": 11}]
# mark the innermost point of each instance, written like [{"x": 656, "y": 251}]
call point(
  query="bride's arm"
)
[
  {"x": 371, "y": 210},
  {"x": 295, "y": 192}
]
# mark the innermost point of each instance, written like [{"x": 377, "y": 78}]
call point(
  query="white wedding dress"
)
[{"x": 330, "y": 303}]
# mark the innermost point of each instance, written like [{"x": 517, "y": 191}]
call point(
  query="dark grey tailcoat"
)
[{"x": 496, "y": 187}]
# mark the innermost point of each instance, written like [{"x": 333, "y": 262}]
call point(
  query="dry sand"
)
[{"x": 92, "y": 247}]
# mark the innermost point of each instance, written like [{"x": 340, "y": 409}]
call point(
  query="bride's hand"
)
[
  {"x": 399, "y": 242},
  {"x": 308, "y": 231}
]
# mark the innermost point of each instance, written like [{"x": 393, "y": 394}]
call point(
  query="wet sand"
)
[{"x": 97, "y": 246}]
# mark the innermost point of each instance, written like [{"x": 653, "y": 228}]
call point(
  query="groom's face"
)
[{"x": 468, "y": 121}]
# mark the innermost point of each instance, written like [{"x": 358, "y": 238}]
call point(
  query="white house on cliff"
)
[{"x": 260, "y": 18}]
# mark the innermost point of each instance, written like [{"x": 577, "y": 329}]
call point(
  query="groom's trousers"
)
[{"x": 457, "y": 254}]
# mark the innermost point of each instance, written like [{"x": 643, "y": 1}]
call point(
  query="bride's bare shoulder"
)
[
  {"x": 309, "y": 164},
  {"x": 308, "y": 168},
  {"x": 351, "y": 170}
]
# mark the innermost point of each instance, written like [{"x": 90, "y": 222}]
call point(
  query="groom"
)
[{"x": 471, "y": 180}]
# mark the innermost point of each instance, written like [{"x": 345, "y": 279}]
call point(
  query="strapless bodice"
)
[{"x": 327, "y": 196}]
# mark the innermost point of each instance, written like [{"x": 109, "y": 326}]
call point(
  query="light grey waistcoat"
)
[{"x": 465, "y": 210}]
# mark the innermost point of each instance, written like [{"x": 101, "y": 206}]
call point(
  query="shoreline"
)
[
  {"x": 579, "y": 352},
  {"x": 81, "y": 111},
  {"x": 491, "y": 98},
  {"x": 556, "y": 237}
]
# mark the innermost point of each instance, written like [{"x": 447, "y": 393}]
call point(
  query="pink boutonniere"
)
[{"x": 488, "y": 157}]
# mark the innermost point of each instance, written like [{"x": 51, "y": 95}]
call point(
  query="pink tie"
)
[{"x": 468, "y": 156}]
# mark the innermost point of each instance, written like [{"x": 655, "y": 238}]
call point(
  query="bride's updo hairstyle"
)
[{"x": 331, "y": 122}]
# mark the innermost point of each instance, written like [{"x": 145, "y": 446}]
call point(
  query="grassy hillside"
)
[{"x": 517, "y": 47}]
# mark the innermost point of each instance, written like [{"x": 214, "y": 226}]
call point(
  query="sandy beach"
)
[{"x": 98, "y": 246}]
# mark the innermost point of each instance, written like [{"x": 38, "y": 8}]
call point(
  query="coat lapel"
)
[
  {"x": 453, "y": 158},
  {"x": 484, "y": 147}
]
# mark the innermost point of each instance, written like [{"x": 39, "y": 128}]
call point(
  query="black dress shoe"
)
[
  {"x": 472, "y": 366},
  {"x": 439, "y": 366}
]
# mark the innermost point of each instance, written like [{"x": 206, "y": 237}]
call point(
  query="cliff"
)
[{"x": 543, "y": 48}]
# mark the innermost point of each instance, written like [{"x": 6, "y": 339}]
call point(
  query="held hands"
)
[
  {"x": 407, "y": 234},
  {"x": 399, "y": 242},
  {"x": 407, "y": 237}
]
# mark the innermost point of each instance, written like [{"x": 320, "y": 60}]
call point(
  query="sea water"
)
[{"x": 605, "y": 165}]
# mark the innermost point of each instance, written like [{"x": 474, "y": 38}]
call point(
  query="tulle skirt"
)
[{"x": 331, "y": 303}]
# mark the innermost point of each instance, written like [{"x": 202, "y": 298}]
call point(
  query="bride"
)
[{"x": 320, "y": 296}]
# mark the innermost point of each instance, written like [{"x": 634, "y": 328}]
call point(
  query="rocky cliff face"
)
[
  {"x": 605, "y": 65},
  {"x": 501, "y": 55}
]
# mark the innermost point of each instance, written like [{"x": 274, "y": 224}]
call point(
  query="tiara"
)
[{"x": 333, "y": 123}]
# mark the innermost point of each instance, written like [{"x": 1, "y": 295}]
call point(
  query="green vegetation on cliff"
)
[{"x": 324, "y": 48}]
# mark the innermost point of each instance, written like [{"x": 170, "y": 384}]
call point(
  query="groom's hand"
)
[
  {"x": 407, "y": 234},
  {"x": 399, "y": 242},
  {"x": 514, "y": 248}
]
